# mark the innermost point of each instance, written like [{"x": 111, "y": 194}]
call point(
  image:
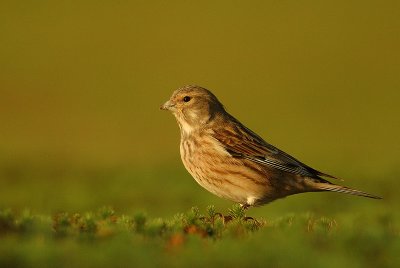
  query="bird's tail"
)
[{"x": 342, "y": 189}]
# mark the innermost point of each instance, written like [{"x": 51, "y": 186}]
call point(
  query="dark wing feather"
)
[{"x": 241, "y": 142}]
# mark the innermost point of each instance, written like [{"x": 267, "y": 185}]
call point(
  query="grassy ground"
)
[
  {"x": 106, "y": 238},
  {"x": 55, "y": 221}
]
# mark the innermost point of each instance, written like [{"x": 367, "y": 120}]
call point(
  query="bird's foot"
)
[
  {"x": 245, "y": 206},
  {"x": 237, "y": 212}
]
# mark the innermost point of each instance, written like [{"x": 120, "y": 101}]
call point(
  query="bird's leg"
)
[
  {"x": 245, "y": 206},
  {"x": 229, "y": 218},
  {"x": 246, "y": 218}
]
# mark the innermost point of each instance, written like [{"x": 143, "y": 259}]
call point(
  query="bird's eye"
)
[{"x": 186, "y": 98}]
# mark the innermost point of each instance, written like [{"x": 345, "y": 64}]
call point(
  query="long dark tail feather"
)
[
  {"x": 319, "y": 173},
  {"x": 345, "y": 190}
]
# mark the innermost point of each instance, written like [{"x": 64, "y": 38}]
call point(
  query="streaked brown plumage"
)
[{"x": 231, "y": 161}]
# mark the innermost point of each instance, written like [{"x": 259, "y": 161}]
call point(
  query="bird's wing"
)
[{"x": 241, "y": 142}]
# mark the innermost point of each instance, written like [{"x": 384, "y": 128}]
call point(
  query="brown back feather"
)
[{"x": 240, "y": 141}]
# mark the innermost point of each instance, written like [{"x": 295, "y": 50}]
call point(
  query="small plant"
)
[
  {"x": 106, "y": 212},
  {"x": 7, "y": 221},
  {"x": 139, "y": 221},
  {"x": 211, "y": 211},
  {"x": 237, "y": 212}
]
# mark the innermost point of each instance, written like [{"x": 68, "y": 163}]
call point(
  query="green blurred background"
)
[{"x": 81, "y": 83}]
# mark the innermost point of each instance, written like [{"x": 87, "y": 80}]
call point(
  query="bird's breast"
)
[
  {"x": 218, "y": 172},
  {"x": 202, "y": 155}
]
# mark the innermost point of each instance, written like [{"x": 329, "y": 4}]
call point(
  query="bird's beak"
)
[{"x": 169, "y": 105}]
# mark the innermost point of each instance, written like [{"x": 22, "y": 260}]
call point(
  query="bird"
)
[{"x": 233, "y": 162}]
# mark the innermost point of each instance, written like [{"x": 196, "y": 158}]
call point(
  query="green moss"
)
[{"x": 105, "y": 237}]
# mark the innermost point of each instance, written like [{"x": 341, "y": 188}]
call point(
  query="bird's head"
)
[{"x": 193, "y": 107}]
